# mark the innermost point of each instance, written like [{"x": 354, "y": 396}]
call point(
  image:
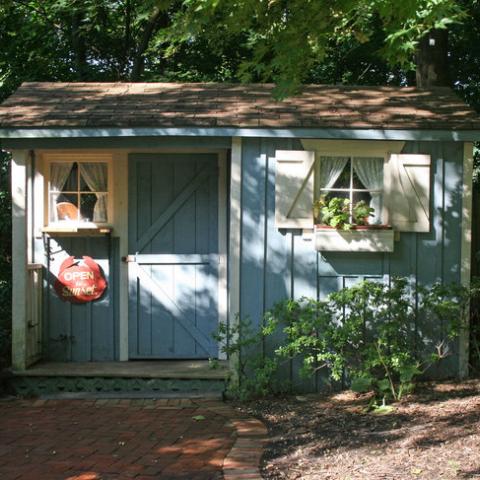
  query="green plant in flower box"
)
[
  {"x": 333, "y": 212},
  {"x": 362, "y": 212}
]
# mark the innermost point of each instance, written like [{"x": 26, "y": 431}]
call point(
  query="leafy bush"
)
[
  {"x": 380, "y": 337},
  {"x": 254, "y": 374},
  {"x": 373, "y": 333},
  {"x": 5, "y": 260}
]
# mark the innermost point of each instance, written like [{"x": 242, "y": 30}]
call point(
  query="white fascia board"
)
[{"x": 325, "y": 133}]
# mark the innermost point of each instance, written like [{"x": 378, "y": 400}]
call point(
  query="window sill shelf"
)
[
  {"x": 356, "y": 240},
  {"x": 77, "y": 230}
]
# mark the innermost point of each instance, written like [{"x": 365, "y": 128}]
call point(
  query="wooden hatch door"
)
[{"x": 173, "y": 256}]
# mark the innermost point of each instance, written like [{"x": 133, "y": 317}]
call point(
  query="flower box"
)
[{"x": 371, "y": 238}]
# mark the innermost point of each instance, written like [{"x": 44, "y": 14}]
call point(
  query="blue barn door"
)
[{"x": 173, "y": 256}]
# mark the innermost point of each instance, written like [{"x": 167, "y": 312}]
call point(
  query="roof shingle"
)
[{"x": 80, "y": 105}]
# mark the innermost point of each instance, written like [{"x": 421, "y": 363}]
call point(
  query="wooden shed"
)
[{"x": 146, "y": 214}]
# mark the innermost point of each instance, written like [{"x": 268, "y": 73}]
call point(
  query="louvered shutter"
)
[
  {"x": 294, "y": 188},
  {"x": 407, "y": 189}
]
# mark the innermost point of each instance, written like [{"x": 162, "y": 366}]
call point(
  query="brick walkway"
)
[{"x": 127, "y": 439}]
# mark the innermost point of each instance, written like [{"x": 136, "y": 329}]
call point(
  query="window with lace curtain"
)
[
  {"x": 354, "y": 178},
  {"x": 78, "y": 192}
]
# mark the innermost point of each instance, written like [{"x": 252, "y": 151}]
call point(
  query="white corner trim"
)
[
  {"x": 222, "y": 248},
  {"x": 466, "y": 254},
  {"x": 19, "y": 258},
  {"x": 119, "y": 201},
  {"x": 235, "y": 232}
]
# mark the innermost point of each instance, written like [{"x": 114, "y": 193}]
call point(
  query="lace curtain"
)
[
  {"x": 95, "y": 176},
  {"x": 370, "y": 173},
  {"x": 59, "y": 173},
  {"x": 328, "y": 171}
]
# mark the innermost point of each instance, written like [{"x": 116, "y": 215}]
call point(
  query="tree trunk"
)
[
  {"x": 127, "y": 39},
  {"x": 157, "y": 18},
  {"x": 432, "y": 60},
  {"x": 79, "y": 47}
]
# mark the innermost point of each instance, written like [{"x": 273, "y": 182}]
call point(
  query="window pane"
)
[
  {"x": 93, "y": 207},
  {"x": 331, "y": 194},
  {"x": 93, "y": 177},
  {"x": 63, "y": 207},
  {"x": 373, "y": 200}
]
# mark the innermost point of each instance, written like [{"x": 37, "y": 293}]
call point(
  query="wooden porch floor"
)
[{"x": 168, "y": 369}]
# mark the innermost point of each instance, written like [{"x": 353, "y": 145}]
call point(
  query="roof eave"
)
[{"x": 324, "y": 133}]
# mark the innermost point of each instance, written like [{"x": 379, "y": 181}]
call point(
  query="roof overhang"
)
[{"x": 321, "y": 133}]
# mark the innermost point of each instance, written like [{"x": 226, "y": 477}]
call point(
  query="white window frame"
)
[
  {"x": 357, "y": 149},
  {"x": 78, "y": 158},
  {"x": 350, "y": 189}
]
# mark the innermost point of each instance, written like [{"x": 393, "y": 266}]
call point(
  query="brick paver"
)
[{"x": 127, "y": 439}]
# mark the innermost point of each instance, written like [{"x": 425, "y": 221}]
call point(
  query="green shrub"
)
[
  {"x": 382, "y": 337},
  {"x": 379, "y": 337},
  {"x": 254, "y": 374},
  {"x": 5, "y": 261}
]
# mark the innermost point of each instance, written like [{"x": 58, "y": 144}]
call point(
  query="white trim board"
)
[
  {"x": 20, "y": 162},
  {"x": 466, "y": 252},
  {"x": 235, "y": 239},
  {"x": 326, "y": 133},
  {"x": 222, "y": 248}
]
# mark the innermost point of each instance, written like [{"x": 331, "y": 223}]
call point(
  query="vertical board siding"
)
[
  {"x": 278, "y": 264},
  {"x": 174, "y": 204},
  {"x": 82, "y": 332}
]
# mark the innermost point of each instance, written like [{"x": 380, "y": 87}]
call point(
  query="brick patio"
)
[{"x": 125, "y": 439}]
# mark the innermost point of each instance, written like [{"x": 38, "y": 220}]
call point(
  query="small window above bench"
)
[{"x": 79, "y": 193}]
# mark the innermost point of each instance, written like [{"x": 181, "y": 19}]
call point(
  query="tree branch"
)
[
  {"x": 151, "y": 26},
  {"x": 41, "y": 11}
]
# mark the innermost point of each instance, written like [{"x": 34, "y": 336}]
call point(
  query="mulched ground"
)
[{"x": 432, "y": 435}]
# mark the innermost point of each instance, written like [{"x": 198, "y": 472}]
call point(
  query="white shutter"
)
[
  {"x": 294, "y": 189},
  {"x": 407, "y": 189}
]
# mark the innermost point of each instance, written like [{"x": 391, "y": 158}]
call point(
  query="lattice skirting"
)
[{"x": 35, "y": 386}]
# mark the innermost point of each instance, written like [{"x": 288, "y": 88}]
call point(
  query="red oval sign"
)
[{"x": 80, "y": 282}]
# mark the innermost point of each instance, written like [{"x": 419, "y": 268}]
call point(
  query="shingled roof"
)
[{"x": 127, "y": 105}]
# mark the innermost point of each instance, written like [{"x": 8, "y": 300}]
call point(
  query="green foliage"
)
[
  {"x": 362, "y": 212},
  {"x": 253, "y": 373},
  {"x": 5, "y": 260},
  {"x": 288, "y": 39},
  {"x": 335, "y": 212},
  {"x": 379, "y": 336},
  {"x": 475, "y": 326},
  {"x": 289, "y": 43}
]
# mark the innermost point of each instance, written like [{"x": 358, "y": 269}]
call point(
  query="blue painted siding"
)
[
  {"x": 89, "y": 331},
  {"x": 277, "y": 264}
]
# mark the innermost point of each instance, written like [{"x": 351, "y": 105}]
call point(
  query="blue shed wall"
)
[
  {"x": 276, "y": 264},
  {"x": 89, "y": 331}
]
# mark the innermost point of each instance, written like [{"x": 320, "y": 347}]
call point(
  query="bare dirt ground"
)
[{"x": 434, "y": 434}]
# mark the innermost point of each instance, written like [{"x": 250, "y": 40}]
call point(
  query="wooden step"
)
[{"x": 192, "y": 378}]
